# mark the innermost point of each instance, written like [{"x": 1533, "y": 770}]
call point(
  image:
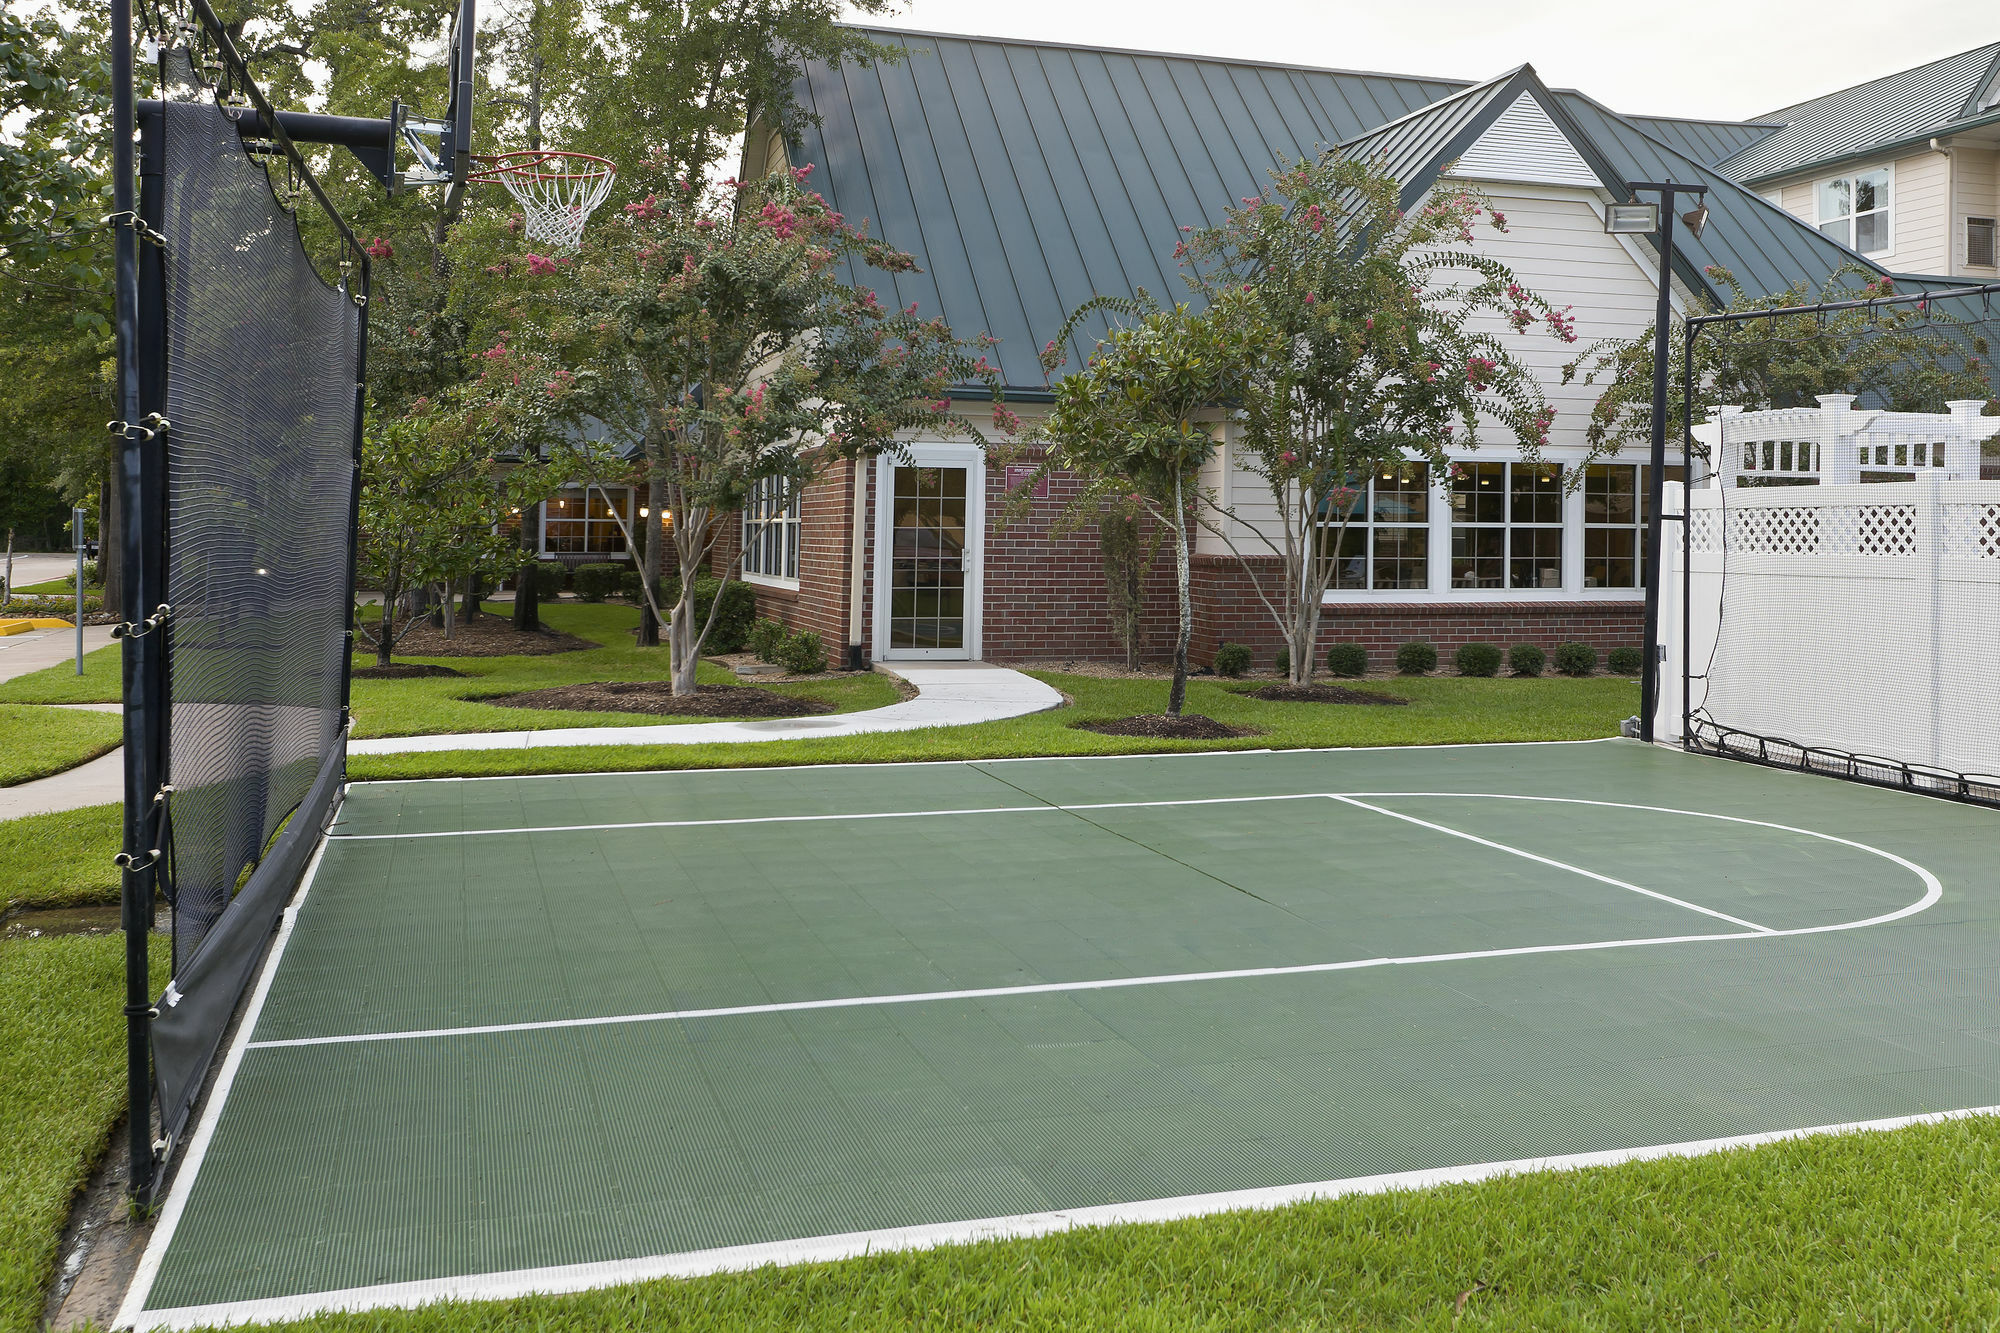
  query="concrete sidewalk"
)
[{"x": 950, "y": 694}]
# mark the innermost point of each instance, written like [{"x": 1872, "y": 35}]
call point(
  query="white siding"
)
[
  {"x": 1796, "y": 198},
  {"x": 1525, "y": 145},
  {"x": 1977, "y": 176},
  {"x": 1920, "y": 238}
]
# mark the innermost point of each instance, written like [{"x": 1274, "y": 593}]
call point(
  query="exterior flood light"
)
[
  {"x": 1634, "y": 219},
  {"x": 1696, "y": 218}
]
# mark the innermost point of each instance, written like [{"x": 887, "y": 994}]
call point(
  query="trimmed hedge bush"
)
[
  {"x": 767, "y": 638},
  {"x": 1351, "y": 659},
  {"x": 594, "y": 583},
  {"x": 1626, "y": 661},
  {"x": 1575, "y": 659},
  {"x": 732, "y": 623},
  {"x": 1524, "y": 659},
  {"x": 802, "y": 654},
  {"x": 1282, "y": 662},
  {"x": 550, "y": 575},
  {"x": 1418, "y": 657},
  {"x": 1478, "y": 659},
  {"x": 1232, "y": 659}
]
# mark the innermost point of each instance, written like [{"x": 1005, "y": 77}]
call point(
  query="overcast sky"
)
[{"x": 1712, "y": 58}]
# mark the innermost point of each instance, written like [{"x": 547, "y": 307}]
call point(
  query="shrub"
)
[
  {"x": 767, "y": 639},
  {"x": 1282, "y": 663},
  {"x": 549, "y": 577},
  {"x": 1478, "y": 659},
  {"x": 802, "y": 654},
  {"x": 732, "y": 623},
  {"x": 1351, "y": 659},
  {"x": 629, "y": 586},
  {"x": 1575, "y": 659},
  {"x": 1524, "y": 659},
  {"x": 1232, "y": 659},
  {"x": 594, "y": 583},
  {"x": 1418, "y": 657},
  {"x": 1626, "y": 661}
]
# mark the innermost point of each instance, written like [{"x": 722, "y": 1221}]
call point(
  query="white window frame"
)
[
  {"x": 1367, "y": 523},
  {"x": 1637, "y": 526},
  {"x": 616, "y": 497},
  {"x": 771, "y": 530},
  {"x": 1887, "y": 210},
  {"x": 1507, "y": 527}
]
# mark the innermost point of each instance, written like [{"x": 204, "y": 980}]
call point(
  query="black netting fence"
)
[
  {"x": 262, "y": 357},
  {"x": 1836, "y": 597}
]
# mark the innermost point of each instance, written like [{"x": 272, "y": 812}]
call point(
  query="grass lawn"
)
[
  {"x": 59, "y": 684},
  {"x": 1443, "y": 709},
  {"x": 1860, "y": 1231},
  {"x": 62, "y": 1087},
  {"x": 60, "y": 860},
  {"x": 35, "y": 742},
  {"x": 53, "y": 587}
]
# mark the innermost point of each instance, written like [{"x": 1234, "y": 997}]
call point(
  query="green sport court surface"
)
[{"x": 557, "y": 1032}]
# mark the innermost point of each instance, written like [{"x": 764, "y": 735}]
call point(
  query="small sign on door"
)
[{"x": 1017, "y": 477}]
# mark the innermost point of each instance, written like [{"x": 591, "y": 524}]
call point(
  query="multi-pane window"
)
[
  {"x": 1854, "y": 210},
  {"x": 771, "y": 531},
  {"x": 1506, "y": 525},
  {"x": 581, "y": 521},
  {"x": 1381, "y": 538},
  {"x": 1614, "y": 524}
]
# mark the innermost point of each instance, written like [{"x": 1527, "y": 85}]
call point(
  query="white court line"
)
[
  {"x": 182, "y": 1183},
  {"x": 1559, "y": 865},
  {"x": 1933, "y": 890},
  {"x": 855, "y": 1244}
]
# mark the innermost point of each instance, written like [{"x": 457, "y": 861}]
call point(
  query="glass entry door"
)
[{"x": 930, "y": 517}]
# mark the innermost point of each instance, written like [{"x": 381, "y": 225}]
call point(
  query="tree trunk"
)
[
  {"x": 385, "y": 628},
  {"x": 527, "y": 603},
  {"x": 1177, "y": 696},
  {"x": 475, "y": 593},
  {"x": 681, "y": 636},
  {"x": 447, "y": 611}
]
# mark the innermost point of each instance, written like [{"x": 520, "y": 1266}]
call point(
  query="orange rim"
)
[{"x": 524, "y": 161}]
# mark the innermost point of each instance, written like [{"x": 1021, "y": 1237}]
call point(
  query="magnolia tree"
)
[
  {"x": 723, "y": 338},
  {"x": 1137, "y": 424},
  {"x": 1362, "y": 339}
]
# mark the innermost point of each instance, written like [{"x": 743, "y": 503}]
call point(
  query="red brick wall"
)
[{"x": 820, "y": 601}]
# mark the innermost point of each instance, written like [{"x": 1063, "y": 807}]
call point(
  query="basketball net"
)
[{"x": 556, "y": 190}]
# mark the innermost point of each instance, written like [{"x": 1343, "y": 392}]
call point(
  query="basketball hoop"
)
[{"x": 556, "y": 190}]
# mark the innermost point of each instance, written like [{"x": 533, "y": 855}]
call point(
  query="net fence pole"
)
[{"x": 354, "y": 510}]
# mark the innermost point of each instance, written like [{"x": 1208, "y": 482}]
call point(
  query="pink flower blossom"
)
[
  {"x": 379, "y": 248},
  {"x": 1004, "y": 419},
  {"x": 1310, "y": 298},
  {"x": 540, "y": 265},
  {"x": 646, "y": 209}
]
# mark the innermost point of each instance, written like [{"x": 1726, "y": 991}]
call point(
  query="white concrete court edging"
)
[{"x": 949, "y": 694}]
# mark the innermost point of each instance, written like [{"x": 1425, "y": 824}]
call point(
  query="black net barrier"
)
[{"x": 262, "y": 360}]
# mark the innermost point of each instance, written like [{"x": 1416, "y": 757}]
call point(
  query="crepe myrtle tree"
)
[
  {"x": 726, "y": 338},
  {"x": 1136, "y": 424},
  {"x": 1363, "y": 339},
  {"x": 439, "y": 482}
]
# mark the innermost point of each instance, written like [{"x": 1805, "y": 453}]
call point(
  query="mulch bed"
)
[
  {"x": 657, "y": 696},
  {"x": 403, "y": 671},
  {"x": 486, "y": 636},
  {"x": 1159, "y": 726},
  {"x": 1318, "y": 694}
]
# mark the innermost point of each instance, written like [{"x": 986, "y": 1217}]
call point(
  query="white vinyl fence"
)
[{"x": 1863, "y": 618}]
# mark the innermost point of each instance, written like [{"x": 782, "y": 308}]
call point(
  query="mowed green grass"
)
[
  {"x": 62, "y": 1087},
  {"x": 1854, "y": 1231},
  {"x": 61, "y": 859},
  {"x": 59, "y": 684},
  {"x": 36, "y": 742},
  {"x": 1442, "y": 710}
]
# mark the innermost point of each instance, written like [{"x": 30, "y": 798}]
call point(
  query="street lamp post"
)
[{"x": 1637, "y": 218}]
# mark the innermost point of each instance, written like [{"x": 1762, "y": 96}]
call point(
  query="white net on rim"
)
[{"x": 556, "y": 191}]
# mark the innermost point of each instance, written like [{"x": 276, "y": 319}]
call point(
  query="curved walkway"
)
[{"x": 949, "y": 694}]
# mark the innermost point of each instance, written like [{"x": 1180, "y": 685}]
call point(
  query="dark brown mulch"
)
[
  {"x": 657, "y": 696},
  {"x": 1159, "y": 726},
  {"x": 1318, "y": 694},
  {"x": 403, "y": 671},
  {"x": 487, "y": 636}
]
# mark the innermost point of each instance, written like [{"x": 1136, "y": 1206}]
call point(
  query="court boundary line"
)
[
  {"x": 569, "y": 1279},
  {"x": 1933, "y": 892},
  {"x": 189, "y": 1168},
  {"x": 967, "y": 763}
]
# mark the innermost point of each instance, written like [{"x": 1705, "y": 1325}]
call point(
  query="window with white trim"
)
[
  {"x": 1382, "y": 538},
  {"x": 1507, "y": 525},
  {"x": 771, "y": 532},
  {"x": 1855, "y": 210},
  {"x": 1614, "y": 524},
  {"x": 580, "y": 520}
]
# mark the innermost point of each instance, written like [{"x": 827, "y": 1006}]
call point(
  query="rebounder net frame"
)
[
  {"x": 1838, "y": 571},
  {"x": 251, "y": 359}
]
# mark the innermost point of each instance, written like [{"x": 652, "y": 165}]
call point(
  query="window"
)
[
  {"x": 1979, "y": 242},
  {"x": 1854, "y": 210},
  {"x": 580, "y": 521},
  {"x": 1384, "y": 534},
  {"x": 1506, "y": 525},
  {"x": 771, "y": 532},
  {"x": 1614, "y": 524}
]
